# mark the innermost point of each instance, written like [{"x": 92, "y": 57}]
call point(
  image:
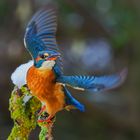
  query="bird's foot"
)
[
  {"x": 42, "y": 110},
  {"x": 48, "y": 120},
  {"x": 46, "y": 124}
]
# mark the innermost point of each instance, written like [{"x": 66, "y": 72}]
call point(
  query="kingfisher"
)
[{"x": 45, "y": 78}]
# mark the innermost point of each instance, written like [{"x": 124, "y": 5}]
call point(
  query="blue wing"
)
[
  {"x": 94, "y": 83},
  {"x": 40, "y": 32}
]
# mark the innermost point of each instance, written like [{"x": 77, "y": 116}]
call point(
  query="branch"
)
[{"x": 23, "y": 108}]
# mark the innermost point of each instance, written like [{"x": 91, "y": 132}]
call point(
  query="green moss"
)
[
  {"x": 23, "y": 113},
  {"x": 23, "y": 108},
  {"x": 46, "y": 129},
  {"x": 43, "y": 133}
]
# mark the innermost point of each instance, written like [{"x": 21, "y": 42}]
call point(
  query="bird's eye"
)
[{"x": 45, "y": 55}]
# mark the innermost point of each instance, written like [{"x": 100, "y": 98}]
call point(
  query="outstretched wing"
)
[
  {"x": 40, "y": 32},
  {"x": 94, "y": 83}
]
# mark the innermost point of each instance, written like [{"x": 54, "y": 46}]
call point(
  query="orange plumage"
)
[{"x": 42, "y": 85}]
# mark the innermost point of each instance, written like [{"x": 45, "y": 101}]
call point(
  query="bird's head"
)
[{"x": 46, "y": 60}]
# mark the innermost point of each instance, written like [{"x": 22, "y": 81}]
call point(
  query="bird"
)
[{"x": 45, "y": 78}]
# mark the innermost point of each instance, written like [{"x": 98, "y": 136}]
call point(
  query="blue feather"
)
[
  {"x": 40, "y": 33},
  {"x": 39, "y": 29},
  {"x": 94, "y": 83},
  {"x": 72, "y": 101}
]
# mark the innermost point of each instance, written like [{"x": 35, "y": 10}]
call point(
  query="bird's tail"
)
[{"x": 72, "y": 101}]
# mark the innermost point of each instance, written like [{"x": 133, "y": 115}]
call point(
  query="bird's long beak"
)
[{"x": 53, "y": 57}]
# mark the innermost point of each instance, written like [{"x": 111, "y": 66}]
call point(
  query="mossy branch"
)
[
  {"x": 24, "y": 108},
  {"x": 46, "y": 130}
]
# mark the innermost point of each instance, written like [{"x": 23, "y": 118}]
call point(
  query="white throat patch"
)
[{"x": 47, "y": 65}]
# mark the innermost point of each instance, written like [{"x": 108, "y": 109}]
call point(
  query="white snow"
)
[
  {"x": 18, "y": 77},
  {"x": 26, "y": 99}
]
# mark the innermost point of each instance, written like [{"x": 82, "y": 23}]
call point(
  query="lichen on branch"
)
[
  {"x": 23, "y": 108},
  {"x": 24, "y": 112},
  {"x": 46, "y": 129}
]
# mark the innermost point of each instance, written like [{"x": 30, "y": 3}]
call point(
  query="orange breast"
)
[{"x": 42, "y": 85}]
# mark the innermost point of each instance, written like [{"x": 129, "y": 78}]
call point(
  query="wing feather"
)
[
  {"x": 94, "y": 83},
  {"x": 40, "y": 33}
]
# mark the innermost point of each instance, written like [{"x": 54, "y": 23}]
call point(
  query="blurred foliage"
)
[{"x": 4, "y": 8}]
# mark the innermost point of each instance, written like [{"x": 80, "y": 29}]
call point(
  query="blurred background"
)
[{"x": 95, "y": 37}]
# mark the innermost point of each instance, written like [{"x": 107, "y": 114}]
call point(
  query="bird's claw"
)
[
  {"x": 43, "y": 121},
  {"x": 49, "y": 120},
  {"x": 42, "y": 110}
]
